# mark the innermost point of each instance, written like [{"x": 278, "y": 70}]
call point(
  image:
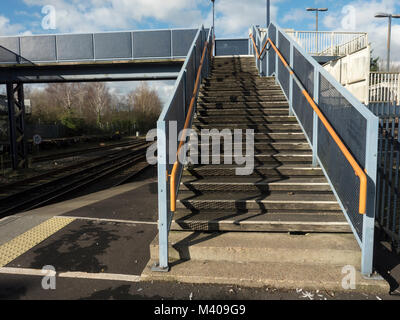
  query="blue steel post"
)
[
  {"x": 162, "y": 158},
  {"x": 371, "y": 163},
  {"x": 266, "y": 56},
  {"x": 291, "y": 81},
  {"x": 315, "y": 118},
  {"x": 276, "y": 56}
]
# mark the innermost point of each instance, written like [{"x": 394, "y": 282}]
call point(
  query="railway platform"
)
[{"x": 100, "y": 246}]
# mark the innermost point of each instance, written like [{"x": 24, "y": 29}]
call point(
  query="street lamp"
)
[
  {"x": 389, "y": 16},
  {"x": 213, "y": 3},
  {"x": 317, "y": 10}
]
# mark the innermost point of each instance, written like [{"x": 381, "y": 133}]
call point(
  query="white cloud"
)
[
  {"x": 235, "y": 17},
  {"x": 103, "y": 15},
  {"x": 6, "y": 28},
  {"x": 376, "y": 28}
]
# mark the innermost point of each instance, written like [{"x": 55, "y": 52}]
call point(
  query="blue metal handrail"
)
[
  {"x": 331, "y": 97},
  {"x": 177, "y": 115}
]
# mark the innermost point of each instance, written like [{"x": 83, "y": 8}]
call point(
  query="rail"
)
[
  {"x": 357, "y": 169},
  {"x": 384, "y": 87},
  {"x": 342, "y": 133},
  {"x": 177, "y": 116},
  {"x": 189, "y": 116},
  {"x": 329, "y": 42}
]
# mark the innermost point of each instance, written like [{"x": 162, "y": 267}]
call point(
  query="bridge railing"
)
[
  {"x": 388, "y": 192},
  {"x": 172, "y": 130},
  {"x": 384, "y": 87},
  {"x": 105, "y": 46},
  {"x": 331, "y": 43},
  {"x": 342, "y": 132}
]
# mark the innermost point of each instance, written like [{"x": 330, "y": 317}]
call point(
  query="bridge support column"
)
[{"x": 16, "y": 119}]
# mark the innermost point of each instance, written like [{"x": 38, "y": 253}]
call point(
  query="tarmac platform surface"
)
[{"x": 99, "y": 247}]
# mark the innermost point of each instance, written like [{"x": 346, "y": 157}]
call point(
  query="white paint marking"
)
[
  {"x": 75, "y": 275},
  {"x": 112, "y": 220},
  {"x": 100, "y": 276}
]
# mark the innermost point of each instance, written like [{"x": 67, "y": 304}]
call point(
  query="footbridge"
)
[
  {"x": 112, "y": 56},
  {"x": 316, "y": 158}
]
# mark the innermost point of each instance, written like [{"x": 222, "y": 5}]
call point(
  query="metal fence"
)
[
  {"x": 330, "y": 43},
  {"x": 333, "y": 113},
  {"x": 384, "y": 87},
  {"x": 388, "y": 195},
  {"x": 130, "y": 45},
  {"x": 229, "y": 47},
  {"x": 172, "y": 120}
]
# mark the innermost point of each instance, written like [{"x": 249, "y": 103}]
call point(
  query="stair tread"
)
[
  {"x": 259, "y": 217},
  {"x": 259, "y": 197},
  {"x": 256, "y": 181}
]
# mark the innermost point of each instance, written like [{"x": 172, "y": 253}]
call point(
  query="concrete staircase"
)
[
  {"x": 285, "y": 193},
  {"x": 299, "y": 237}
]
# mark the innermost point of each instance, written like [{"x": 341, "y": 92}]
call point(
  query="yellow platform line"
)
[{"x": 26, "y": 241}]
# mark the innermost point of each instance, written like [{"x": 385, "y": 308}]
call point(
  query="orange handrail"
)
[
  {"x": 186, "y": 126},
  {"x": 356, "y": 167}
]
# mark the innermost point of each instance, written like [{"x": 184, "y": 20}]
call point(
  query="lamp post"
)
[
  {"x": 389, "y": 16},
  {"x": 317, "y": 10},
  {"x": 213, "y": 3}
]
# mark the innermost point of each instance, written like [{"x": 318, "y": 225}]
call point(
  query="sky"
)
[{"x": 233, "y": 19}]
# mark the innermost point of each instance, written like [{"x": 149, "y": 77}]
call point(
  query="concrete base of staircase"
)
[{"x": 277, "y": 260}]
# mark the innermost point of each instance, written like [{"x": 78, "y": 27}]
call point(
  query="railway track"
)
[
  {"x": 75, "y": 153},
  {"x": 50, "y": 187}
]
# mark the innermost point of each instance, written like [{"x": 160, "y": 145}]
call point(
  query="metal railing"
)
[
  {"x": 343, "y": 133},
  {"x": 228, "y": 47},
  {"x": 331, "y": 43},
  {"x": 104, "y": 46},
  {"x": 384, "y": 87},
  {"x": 388, "y": 191},
  {"x": 172, "y": 125}
]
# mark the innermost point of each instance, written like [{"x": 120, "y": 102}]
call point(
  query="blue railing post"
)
[
  {"x": 276, "y": 57},
  {"x": 291, "y": 81},
  {"x": 371, "y": 167},
  {"x": 315, "y": 119},
  {"x": 162, "y": 198}
]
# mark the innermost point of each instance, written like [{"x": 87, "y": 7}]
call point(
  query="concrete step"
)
[
  {"x": 240, "y": 98},
  {"x": 246, "y": 184},
  {"x": 225, "y": 90},
  {"x": 286, "y": 276},
  {"x": 276, "y": 103},
  {"x": 234, "y": 87},
  {"x": 247, "y": 93},
  {"x": 260, "y": 158},
  {"x": 215, "y": 80},
  {"x": 236, "y": 201},
  {"x": 264, "y": 171},
  {"x": 250, "y": 119},
  {"x": 259, "y": 146},
  {"x": 258, "y": 128},
  {"x": 236, "y": 220},
  {"x": 243, "y": 112},
  {"x": 269, "y": 137},
  {"x": 315, "y": 249}
]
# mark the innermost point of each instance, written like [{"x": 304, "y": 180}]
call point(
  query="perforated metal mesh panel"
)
[
  {"x": 231, "y": 47},
  {"x": 349, "y": 124},
  {"x": 341, "y": 174},
  {"x": 272, "y": 54},
  {"x": 304, "y": 70},
  {"x": 304, "y": 112},
  {"x": 284, "y": 47},
  {"x": 271, "y": 61},
  {"x": 284, "y": 77},
  {"x": 272, "y": 33}
]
